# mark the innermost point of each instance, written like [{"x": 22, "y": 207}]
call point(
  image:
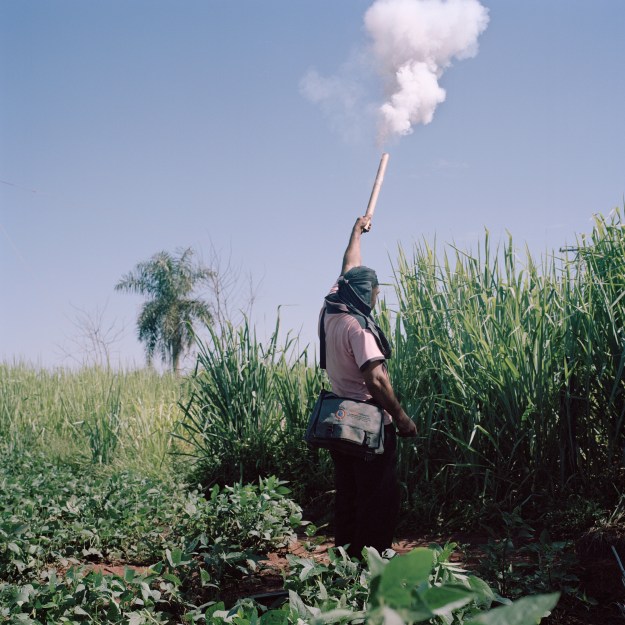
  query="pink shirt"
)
[{"x": 348, "y": 349}]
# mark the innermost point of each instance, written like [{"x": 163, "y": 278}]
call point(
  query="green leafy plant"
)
[
  {"x": 121, "y": 418},
  {"x": 102, "y": 424},
  {"x": 514, "y": 370},
  {"x": 517, "y": 562},
  {"x": 248, "y": 406},
  {"x": 422, "y": 586},
  {"x": 165, "y": 323},
  {"x": 91, "y": 597},
  {"x": 54, "y": 517}
]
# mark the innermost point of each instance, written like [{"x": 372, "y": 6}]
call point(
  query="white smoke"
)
[
  {"x": 340, "y": 97},
  {"x": 413, "y": 42}
]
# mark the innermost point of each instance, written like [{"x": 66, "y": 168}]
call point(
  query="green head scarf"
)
[
  {"x": 354, "y": 298},
  {"x": 359, "y": 282}
]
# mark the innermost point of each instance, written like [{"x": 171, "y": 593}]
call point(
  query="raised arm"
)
[{"x": 352, "y": 257}]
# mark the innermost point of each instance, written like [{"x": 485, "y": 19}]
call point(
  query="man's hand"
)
[
  {"x": 406, "y": 427},
  {"x": 363, "y": 224}
]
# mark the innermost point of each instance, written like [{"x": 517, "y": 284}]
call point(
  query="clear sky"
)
[{"x": 133, "y": 126}]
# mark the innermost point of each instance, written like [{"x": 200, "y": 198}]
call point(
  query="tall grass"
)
[
  {"x": 99, "y": 415},
  {"x": 248, "y": 408},
  {"x": 514, "y": 371}
]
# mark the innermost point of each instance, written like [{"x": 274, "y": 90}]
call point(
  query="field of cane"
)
[{"x": 134, "y": 497}]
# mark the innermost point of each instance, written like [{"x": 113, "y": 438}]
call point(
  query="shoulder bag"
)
[{"x": 346, "y": 425}]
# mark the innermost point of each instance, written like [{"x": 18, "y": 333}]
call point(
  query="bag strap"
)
[{"x": 322, "y": 339}]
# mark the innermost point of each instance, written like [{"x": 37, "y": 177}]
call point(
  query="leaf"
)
[
  {"x": 274, "y": 617},
  {"x": 485, "y": 595},
  {"x": 174, "y": 557},
  {"x": 158, "y": 567},
  {"x": 322, "y": 593},
  {"x": 417, "y": 612},
  {"x": 444, "y": 599},
  {"x": 402, "y": 574},
  {"x": 296, "y": 603},
  {"x": 216, "y": 607},
  {"x": 526, "y": 611},
  {"x": 375, "y": 561},
  {"x": 338, "y": 614},
  {"x": 174, "y": 579},
  {"x": 388, "y": 616},
  {"x": 308, "y": 569},
  {"x": 205, "y": 577}
]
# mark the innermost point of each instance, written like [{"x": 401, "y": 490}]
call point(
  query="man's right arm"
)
[
  {"x": 379, "y": 385},
  {"x": 352, "y": 257}
]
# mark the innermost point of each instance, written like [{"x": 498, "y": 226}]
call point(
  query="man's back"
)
[{"x": 349, "y": 348}]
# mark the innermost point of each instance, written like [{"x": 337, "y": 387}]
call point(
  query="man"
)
[{"x": 356, "y": 350}]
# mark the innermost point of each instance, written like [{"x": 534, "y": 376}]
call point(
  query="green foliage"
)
[
  {"x": 122, "y": 418},
  {"x": 527, "y": 611},
  {"x": 230, "y": 529},
  {"x": 54, "y": 516},
  {"x": 248, "y": 408},
  {"x": 340, "y": 583},
  {"x": 422, "y": 586},
  {"x": 102, "y": 424},
  {"x": 514, "y": 373},
  {"x": 58, "y": 512},
  {"x": 260, "y": 516},
  {"x": 518, "y": 563},
  {"x": 80, "y": 597}
]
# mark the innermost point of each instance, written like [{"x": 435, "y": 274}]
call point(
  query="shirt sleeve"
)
[{"x": 364, "y": 346}]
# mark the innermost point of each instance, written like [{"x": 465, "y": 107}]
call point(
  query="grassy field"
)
[
  {"x": 122, "y": 418},
  {"x": 512, "y": 369}
]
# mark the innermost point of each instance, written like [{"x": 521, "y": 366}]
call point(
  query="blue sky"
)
[{"x": 129, "y": 127}]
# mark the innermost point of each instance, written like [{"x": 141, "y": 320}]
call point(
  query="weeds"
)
[
  {"x": 517, "y": 562},
  {"x": 248, "y": 408}
]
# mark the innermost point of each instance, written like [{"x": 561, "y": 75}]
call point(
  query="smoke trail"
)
[
  {"x": 413, "y": 42},
  {"x": 340, "y": 98}
]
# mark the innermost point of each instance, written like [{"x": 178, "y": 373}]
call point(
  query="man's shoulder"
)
[
  {"x": 344, "y": 321},
  {"x": 348, "y": 326}
]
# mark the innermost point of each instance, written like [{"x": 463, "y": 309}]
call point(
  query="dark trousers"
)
[{"x": 367, "y": 498}]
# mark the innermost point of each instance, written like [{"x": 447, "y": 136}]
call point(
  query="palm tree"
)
[{"x": 165, "y": 323}]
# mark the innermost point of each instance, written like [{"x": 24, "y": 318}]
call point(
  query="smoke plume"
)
[{"x": 413, "y": 42}]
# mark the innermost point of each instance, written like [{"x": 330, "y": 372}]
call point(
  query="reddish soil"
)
[{"x": 117, "y": 569}]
